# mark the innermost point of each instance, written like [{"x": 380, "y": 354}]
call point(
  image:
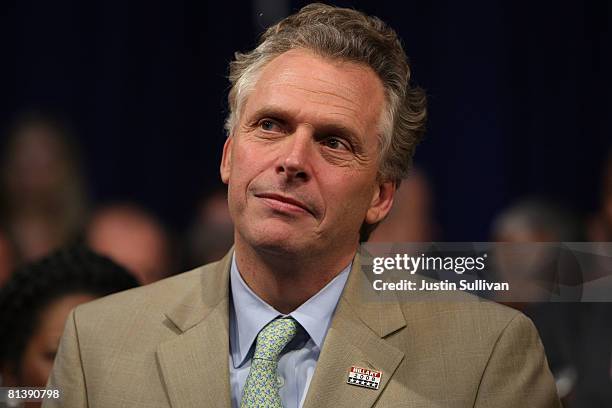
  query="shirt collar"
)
[{"x": 249, "y": 313}]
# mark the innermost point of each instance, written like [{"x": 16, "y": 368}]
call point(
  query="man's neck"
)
[{"x": 285, "y": 281}]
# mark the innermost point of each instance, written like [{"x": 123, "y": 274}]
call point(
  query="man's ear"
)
[
  {"x": 226, "y": 160},
  {"x": 382, "y": 200}
]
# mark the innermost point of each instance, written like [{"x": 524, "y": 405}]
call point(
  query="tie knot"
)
[{"x": 273, "y": 338}]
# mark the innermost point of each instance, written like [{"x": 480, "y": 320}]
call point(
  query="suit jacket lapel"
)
[
  {"x": 356, "y": 338},
  {"x": 195, "y": 364}
]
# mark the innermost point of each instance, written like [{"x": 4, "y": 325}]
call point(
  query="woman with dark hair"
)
[{"x": 35, "y": 303}]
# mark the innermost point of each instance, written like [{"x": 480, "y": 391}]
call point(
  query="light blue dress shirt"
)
[{"x": 249, "y": 314}]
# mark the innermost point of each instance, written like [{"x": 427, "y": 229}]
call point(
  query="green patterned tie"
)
[{"x": 261, "y": 388}]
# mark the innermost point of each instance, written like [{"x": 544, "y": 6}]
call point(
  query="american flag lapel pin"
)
[{"x": 364, "y": 377}]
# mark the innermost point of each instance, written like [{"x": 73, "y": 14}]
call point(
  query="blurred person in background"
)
[
  {"x": 133, "y": 238},
  {"x": 532, "y": 264},
  {"x": 35, "y": 303},
  {"x": 576, "y": 342},
  {"x": 212, "y": 231},
  {"x": 42, "y": 196},
  {"x": 599, "y": 228},
  {"x": 536, "y": 220},
  {"x": 410, "y": 218},
  {"x": 6, "y": 259},
  {"x": 595, "y": 341}
]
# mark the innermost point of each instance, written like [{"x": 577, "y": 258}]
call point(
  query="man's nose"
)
[{"x": 294, "y": 162}]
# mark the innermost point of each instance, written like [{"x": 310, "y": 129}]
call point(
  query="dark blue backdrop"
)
[{"x": 519, "y": 95}]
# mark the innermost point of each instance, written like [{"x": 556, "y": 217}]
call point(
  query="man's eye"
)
[
  {"x": 269, "y": 125},
  {"x": 335, "y": 143}
]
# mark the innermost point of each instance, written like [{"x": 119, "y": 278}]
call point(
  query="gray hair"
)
[{"x": 347, "y": 35}]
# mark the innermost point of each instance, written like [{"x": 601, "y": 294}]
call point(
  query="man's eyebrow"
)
[
  {"x": 272, "y": 112},
  {"x": 282, "y": 114}
]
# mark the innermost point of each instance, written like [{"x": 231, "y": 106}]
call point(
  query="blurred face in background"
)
[
  {"x": 410, "y": 219},
  {"x": 302, "y": 163},
  {"x": 212, "y": 232},
  {"x": 37, "y": 360},
  {"x": 44, "y": 199},
  {"x": 133, "y": 239},
  {"x": 37, "y": 164}
]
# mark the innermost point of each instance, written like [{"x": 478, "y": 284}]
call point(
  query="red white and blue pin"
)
[{"x": 364, "y": 377}]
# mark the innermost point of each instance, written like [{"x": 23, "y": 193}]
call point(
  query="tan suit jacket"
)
[{"x": 167, "y": 345}]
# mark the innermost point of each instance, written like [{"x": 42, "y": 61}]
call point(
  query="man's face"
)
[{"x": 302, "y": 162}]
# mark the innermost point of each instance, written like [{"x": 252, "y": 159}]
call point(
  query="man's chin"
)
[
  {"x": 280, "y": 243},
  {"x": 282, "y": 247}
]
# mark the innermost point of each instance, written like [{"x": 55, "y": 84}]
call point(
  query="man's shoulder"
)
[
  {"x": 466, "y": 306},
  {"x": 483, "y": 353},
  {"x": 467, "y": 316}
]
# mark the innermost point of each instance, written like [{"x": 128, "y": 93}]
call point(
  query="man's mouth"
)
[{"x": 284, "y": 203}]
